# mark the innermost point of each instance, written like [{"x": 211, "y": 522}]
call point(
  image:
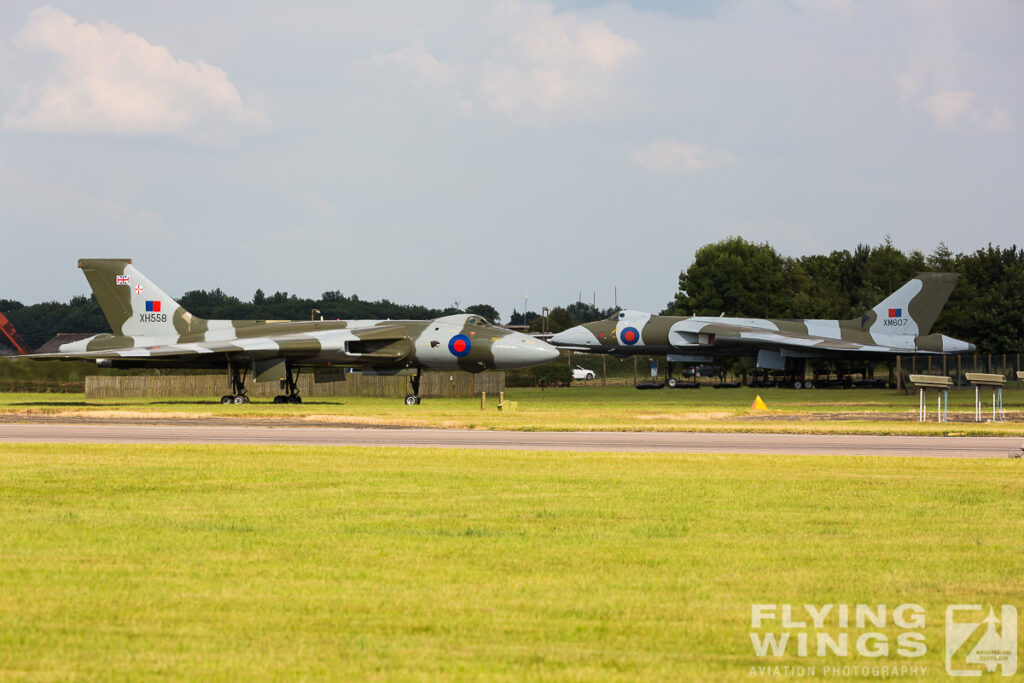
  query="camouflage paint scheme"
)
[
  {"x": 150, "y": 329},
  {"x": 900, "y": 324}
]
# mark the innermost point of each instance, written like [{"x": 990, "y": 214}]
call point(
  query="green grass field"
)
[
  {"x": 854, "y": 411},
  {"x": 232, "y": 563}
]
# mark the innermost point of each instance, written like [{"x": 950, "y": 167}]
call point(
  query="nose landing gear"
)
[{"x": 413, "y": 399}]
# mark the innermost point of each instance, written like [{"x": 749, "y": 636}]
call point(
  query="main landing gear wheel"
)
[
  {"x": 290, "y": 385},
  {"x": 411, "y": 400},
  {"x": 237, "y": 377}
]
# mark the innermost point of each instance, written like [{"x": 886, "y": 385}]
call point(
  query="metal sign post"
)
[
  {"x": 941, "y": 384},
  {"x": 996, "y": 383}
]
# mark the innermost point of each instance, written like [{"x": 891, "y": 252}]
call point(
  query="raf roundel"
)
[
  {"x": 629, "y": 335},
  {"x": 459, "y": 345}
]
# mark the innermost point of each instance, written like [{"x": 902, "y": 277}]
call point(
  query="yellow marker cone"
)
[{"x": 759, "y": 404}]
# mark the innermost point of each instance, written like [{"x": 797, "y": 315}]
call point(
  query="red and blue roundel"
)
[
  {"x": 629, "y": 335},
  {"x": 459, "y": 345}
]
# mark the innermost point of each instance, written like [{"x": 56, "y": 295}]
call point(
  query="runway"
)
[{"x": 671, "y": 442}]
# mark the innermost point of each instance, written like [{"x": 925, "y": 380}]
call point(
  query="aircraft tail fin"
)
[
  {"x": 133, "y": 305},
  {"x": 913, "y": 308}
]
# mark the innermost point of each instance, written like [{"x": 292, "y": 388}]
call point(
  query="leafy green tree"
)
[
  {"x": 7, "y": 305},
  {"x": 559, "y": 319},
  {"x": 588, "y": 313},
  {"x": 941, "y": 258},
  {"x": 484, "y": 310},
  {"x": 987, "y": 306},
  {"x": 738, "y": 278}
]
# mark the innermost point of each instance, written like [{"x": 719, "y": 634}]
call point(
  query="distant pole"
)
[{"x": 526, "y": 302}]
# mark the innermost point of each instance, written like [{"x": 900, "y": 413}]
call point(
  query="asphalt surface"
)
[{"x": 674, "y": 442}]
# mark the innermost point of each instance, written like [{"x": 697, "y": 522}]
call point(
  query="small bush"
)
[{"x": 555, "y": 374}]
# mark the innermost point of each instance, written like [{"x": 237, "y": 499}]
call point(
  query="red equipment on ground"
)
[{"x": 7, "y": 329}]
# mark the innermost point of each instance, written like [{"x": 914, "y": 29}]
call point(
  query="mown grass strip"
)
[{"x": 237, "y": 562}]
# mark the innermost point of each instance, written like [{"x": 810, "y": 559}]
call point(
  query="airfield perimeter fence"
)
[{"x": 434, "y": 384}]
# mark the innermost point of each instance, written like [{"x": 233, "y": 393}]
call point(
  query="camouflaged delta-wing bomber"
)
[
  {"x": 150, "y": 329},
  {"x": 898, "y": 325}
]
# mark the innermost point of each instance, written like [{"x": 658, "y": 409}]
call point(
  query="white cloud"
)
[
  {"x": 547, "y": 37},
  {"x": 948, "y": 106},
  {"x": 995, "y": 120},
  {"x": 110, "y": 81},
  {"x": 673, "y": 156},
  {"x": 426, "y": 71},
  {"x": 544, "y": 65},
  {"x": 943, "y": 76}
]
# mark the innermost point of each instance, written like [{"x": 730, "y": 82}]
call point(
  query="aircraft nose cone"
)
[
  {"x": 519, "y": 350},
  {"x": 971, "y": 348},
  {"x": 575, "y": 336}
]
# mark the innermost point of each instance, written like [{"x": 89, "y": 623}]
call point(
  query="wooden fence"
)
[
  {"x": 434, "y": 384},
  {"x": 41, "y": 386}
]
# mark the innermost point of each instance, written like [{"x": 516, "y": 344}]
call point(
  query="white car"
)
[{"x": 580, "y": 372}]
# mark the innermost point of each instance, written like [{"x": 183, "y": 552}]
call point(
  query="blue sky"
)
[{"x": 434, "y": 152}]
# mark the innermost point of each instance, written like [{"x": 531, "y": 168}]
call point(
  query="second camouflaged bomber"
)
[
  {"x": 150, "y": 329},
  {"x": 898, "y": 325}
]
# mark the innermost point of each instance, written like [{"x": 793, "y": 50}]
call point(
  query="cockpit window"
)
[{"x": 478, "y": 321}]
